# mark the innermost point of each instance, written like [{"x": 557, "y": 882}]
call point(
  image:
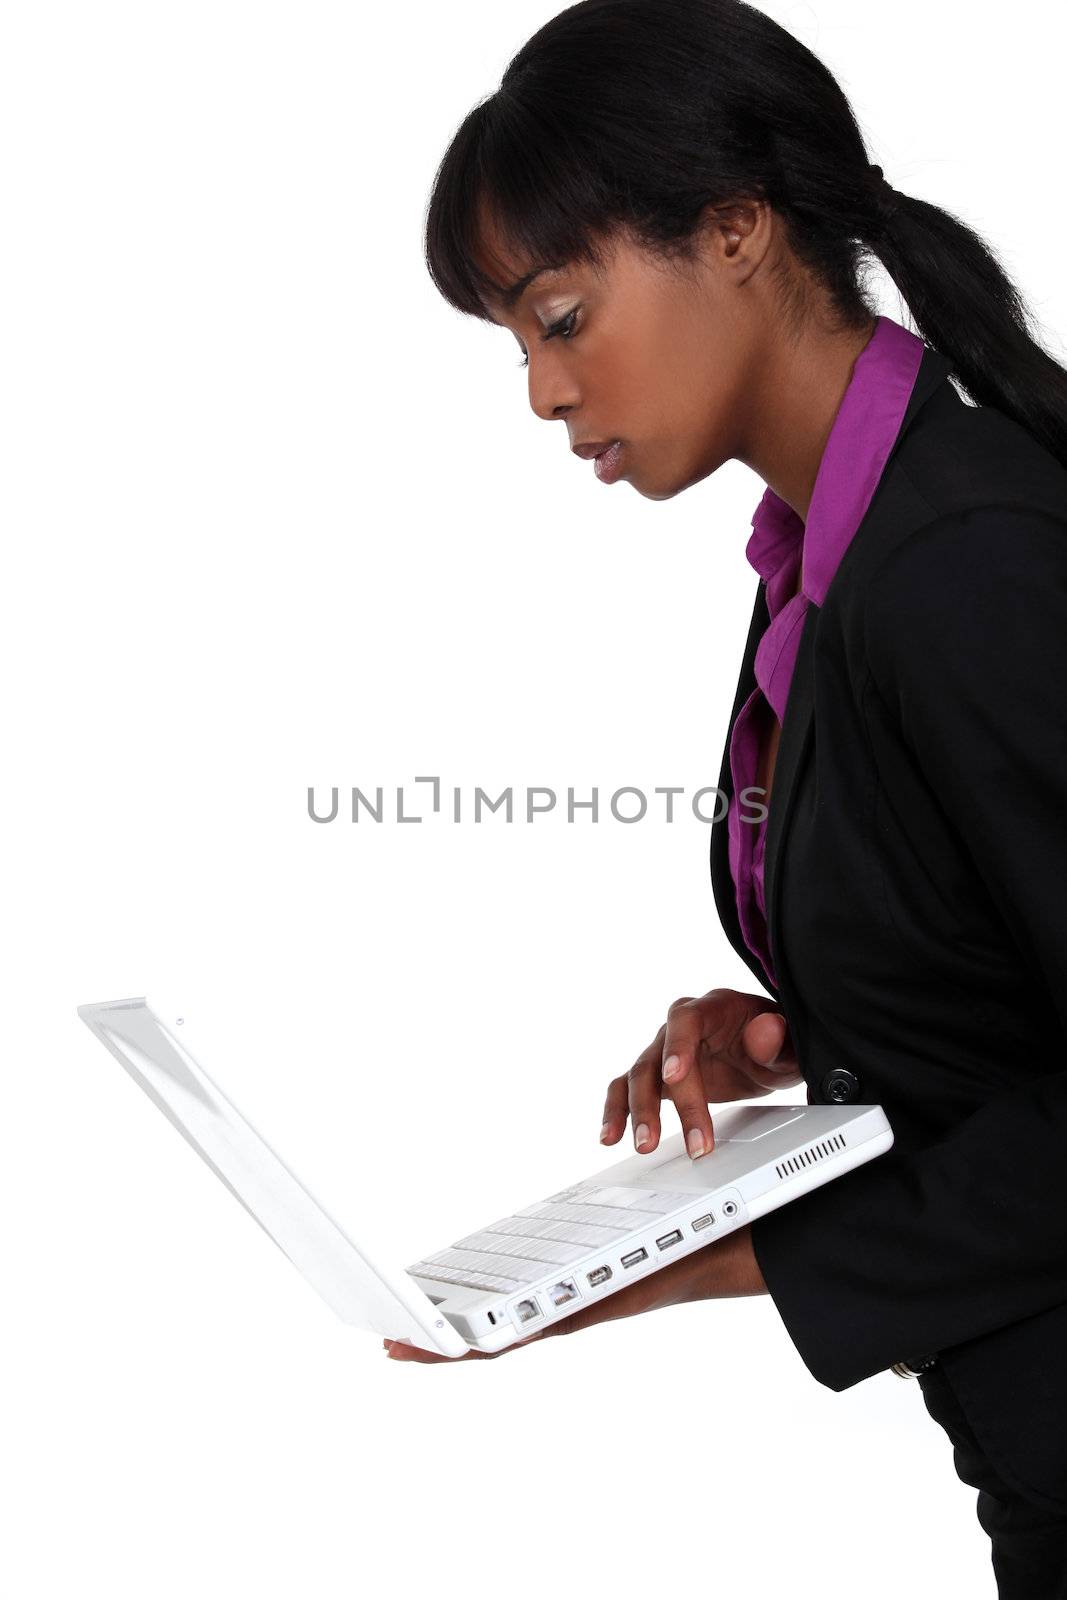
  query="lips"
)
[
  {"x": 607, "y": 464},
  {"x": 590, "y": 451}
]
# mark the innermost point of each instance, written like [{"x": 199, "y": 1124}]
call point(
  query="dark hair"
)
[{"x": 635, "y": 115}]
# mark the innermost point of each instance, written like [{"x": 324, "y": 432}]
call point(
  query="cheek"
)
[
  {"x": 652, "y": 394},
  {"x": 655, "y": 383}
]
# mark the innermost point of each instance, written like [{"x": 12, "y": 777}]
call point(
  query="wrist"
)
[{"x": 733, "y": 1268}]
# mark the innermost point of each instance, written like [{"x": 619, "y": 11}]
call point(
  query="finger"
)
[
  {"x": 687, "y": 1021},
  {"x": 767, "y": 1042},
  {"x": 681, "y": 1037},
  {"x": 397, "y": 1350},
  {"x": 616, "y": 1108},
  {"x": 727, "y": 1070},
  {"x": 767, "y": 1039},
  {"x": 644, "y": 1088}
]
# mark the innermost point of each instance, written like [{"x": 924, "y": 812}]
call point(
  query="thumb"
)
[{"x": 767, "y": 1040}]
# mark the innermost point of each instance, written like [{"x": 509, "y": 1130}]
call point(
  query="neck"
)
[{"x": 792, "y": 409}]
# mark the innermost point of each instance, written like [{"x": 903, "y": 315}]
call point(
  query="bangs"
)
[{"x": 544, "y": 209}]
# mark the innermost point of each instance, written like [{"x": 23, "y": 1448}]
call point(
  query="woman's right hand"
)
[{"x": 724, "y": 1046}]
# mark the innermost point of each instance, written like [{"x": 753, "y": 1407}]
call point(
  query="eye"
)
[{"x": 565, "y": 327}]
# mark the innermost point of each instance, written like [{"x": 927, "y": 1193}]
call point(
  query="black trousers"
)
[{"x": 1029, "y": 1544}]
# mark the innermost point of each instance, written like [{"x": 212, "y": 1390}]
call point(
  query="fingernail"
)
[
  {"x": 671, "y": 1066},
  {"x": 695, "y": 1142},
  {"x": 605, "y": 1130},
  {"x": 641, "y": 1134}
]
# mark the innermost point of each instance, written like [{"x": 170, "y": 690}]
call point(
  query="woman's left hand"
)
[{"x": 715, "y": 1272}]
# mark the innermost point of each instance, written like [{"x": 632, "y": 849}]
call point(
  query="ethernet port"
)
[{"x": 563, "y": 1291}]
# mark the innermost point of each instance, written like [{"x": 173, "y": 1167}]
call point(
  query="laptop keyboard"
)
[{"x": 520, "y": 1249}]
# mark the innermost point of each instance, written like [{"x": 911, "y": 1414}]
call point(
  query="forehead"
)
[{"x": 508, "y": 266}]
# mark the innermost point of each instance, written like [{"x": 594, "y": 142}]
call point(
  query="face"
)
[{"x": 658, "y": 356}]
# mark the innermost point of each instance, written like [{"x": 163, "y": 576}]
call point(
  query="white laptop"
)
[{"x": 516, "y": 1275}]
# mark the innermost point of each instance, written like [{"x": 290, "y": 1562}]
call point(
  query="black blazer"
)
[{"x": 916, "y": 875}]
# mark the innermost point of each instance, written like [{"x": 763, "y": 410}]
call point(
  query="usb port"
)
[
  {"x": 599, "y": 1275},
  {"x": 634, "y": 1257},
  {"x": 704, "y": 1222},
  {"x": 669, "y": 1239}
]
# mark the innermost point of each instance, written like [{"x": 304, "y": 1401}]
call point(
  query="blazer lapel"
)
[
  {"x": 722, "y": 880},
  {"x": 792, "y": 750},
  {"x": 796, "y": 723}
]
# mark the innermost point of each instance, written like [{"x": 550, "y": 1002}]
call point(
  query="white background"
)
[{"x": 278, "y": 517}]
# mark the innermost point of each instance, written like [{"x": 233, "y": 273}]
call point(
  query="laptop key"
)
[
  {"x": 500, "y": 1266},
  {"x": 509, "y": 1244},
  {"x": 467, "y": 1280}
]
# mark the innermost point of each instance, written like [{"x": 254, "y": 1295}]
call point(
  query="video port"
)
[
  {"x": 669, "y": 1239},
  {"x": 704, "y": 1222},
  {"x": 634, "y": 1257},
  {"x": 599, "y": 1275},
  {"x": 560, "y": 1293}
]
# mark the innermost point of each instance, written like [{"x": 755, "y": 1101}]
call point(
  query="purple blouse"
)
[{"x": 864, "y": 432}]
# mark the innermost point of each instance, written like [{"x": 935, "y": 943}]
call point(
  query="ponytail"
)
[{"x": 965, "y": 305}]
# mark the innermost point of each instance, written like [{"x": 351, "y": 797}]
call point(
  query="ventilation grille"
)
[{"x": 809, "y": 1157}]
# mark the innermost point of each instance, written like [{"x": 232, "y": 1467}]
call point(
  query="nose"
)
[{"x": 552, "y": 391}]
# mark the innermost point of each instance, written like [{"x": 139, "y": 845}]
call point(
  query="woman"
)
[{"x": 668, "y": 204}]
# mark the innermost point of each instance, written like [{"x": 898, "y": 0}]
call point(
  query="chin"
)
[
  {"x": 660, "y": 492},
  {"x": 669, "y": 484}
]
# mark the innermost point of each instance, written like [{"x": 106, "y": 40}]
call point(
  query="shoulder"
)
[
  {"x": 964, "y": 482},
  {"x": 976, "y": 597},
  {"x": 989, "y": 550},
  {"x": 955, "y": 456}
]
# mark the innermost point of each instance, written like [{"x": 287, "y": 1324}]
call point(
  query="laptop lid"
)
[{"x": 147, "y": 1039}]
